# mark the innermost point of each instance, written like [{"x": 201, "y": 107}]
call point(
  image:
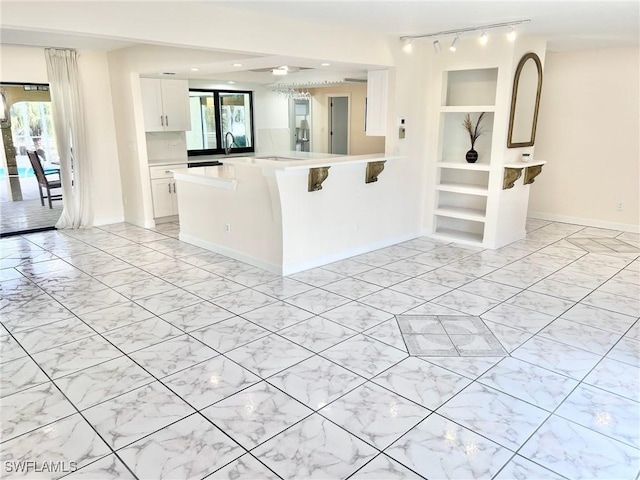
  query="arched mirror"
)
[{"x": 525, "y": 101}]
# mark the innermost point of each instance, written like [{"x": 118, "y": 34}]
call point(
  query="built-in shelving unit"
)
[
  {"x": 462, "y": 188},
  {"x": 468, "y": 202}
]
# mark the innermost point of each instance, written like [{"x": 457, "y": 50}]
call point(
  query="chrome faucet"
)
[{"x": 227, "y": 145}]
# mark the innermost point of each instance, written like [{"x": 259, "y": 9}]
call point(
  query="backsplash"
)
[{"x": 166, "y": 146}]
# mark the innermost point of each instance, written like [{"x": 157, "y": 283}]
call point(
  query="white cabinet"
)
[
  {"x": 163, "y": 191},
  {"x": 165, "y": 104},
  {"x": 377, "y": 85}
]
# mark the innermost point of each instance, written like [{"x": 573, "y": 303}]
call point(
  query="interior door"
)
[{"x": 339, "y": 125}]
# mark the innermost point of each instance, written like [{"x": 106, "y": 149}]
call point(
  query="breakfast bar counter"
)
[{"x": 293, "y": 211}]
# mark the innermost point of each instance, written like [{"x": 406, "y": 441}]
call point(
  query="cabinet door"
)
[
  {"x": 163, "y": 197},
  {"x": 152, "y": 105},
  {"x": 377, "y": 102},
  {"x": 175, "y": 103}
]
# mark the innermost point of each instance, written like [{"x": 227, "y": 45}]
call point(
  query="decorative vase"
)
[{"x": 472, "y": 156}]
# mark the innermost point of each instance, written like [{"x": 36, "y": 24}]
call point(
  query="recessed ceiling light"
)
[
  {"x": 325, "y": 64},
  {"x": 231, "y": 82},
  {"x": 237, "y": 64},
  {"x": 194, "y": 69}
]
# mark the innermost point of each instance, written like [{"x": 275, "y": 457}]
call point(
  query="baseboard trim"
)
[
  {"x": 228, "y": 252},
  {"x": 335, "y": 257},
  {"x": 108, "y": 221},
  {"x": 292, "y": 268},
  {"x": 587, "y": 222}
]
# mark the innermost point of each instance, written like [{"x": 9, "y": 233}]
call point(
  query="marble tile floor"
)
[
  {"x": 125, "y": 353},
  {"x": 28, "y": 215}
]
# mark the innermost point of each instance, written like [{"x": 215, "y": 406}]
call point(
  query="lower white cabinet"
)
[
  {"x": 165, "y": 201},
  {"x": 163, "y": 190}
]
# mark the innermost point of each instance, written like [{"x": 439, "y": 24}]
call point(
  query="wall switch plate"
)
[
  {"x": 227, "y": 228},
  {"x": 401, "y": 132}
]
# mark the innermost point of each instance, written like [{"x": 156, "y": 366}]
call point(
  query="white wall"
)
[
  {"x": 27, "y": 64},
  {"x": 589, "y": 133}
]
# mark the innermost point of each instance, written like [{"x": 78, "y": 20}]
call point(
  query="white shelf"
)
[
  {"x": 462, "y": 188},
  {"x": 467, "y": 238},
  {"x": 465, "y": 166},
  {"x": 461, "y": 213},
  {"x": 467, "y": 108}
]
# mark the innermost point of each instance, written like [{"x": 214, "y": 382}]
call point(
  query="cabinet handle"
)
[
  {"x": 169, "y": 184},
  {"x": 166, "y": 120},
  {"x": 161, "y": 121},
  {"x": 174, "y": 188}
]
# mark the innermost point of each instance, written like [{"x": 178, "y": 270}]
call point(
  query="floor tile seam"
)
[
  {"x": 57, "y": 344},
  {"x": 530, "y": 460},
  {"x": 362, "y": 381},
  {"x": 249, "y": 453},
  {"x": 387, "y": 457},
  {"x": 598, "y": 432},
  {"x": 271, "y": 437},
  {"x": 268, "y": 333},
  {"x": 548, "y": 414},
  {"x": 601, "y": 329},
  {"x": 438, "y": 414},
  {"x": 192, "y": 414},
  {"x": 568, "y": 420},
  {"x": 281, "y": 328},
  {"x": 550, "y": 411},
  {"x": 78, "y": 411},
  {"x": 583, "y": 348},
  {"x": 427, "y": 412}
]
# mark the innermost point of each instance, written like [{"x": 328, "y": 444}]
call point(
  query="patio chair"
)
[{"x": 43, "y": 179}]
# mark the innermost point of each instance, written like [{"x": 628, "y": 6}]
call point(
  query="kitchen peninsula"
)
[{"x": 294, "y": 211}]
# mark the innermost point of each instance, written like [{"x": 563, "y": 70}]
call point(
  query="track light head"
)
[
  {"x": 484, "y": 39},
  {"x": 407, "y": 45},
  {"x": 454, "y": 44},
  {"x": 512, "y": 34},
  {"x": 436, "y": 45}
]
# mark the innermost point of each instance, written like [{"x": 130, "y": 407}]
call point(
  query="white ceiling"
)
[{"x": 567, "y": 24}]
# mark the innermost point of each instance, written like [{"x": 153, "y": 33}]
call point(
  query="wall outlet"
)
[
  {"x": 227, "y": 228},
  {"x": 620, "y": 206}
]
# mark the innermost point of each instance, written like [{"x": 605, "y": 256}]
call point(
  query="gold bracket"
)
[
  {"x": 316, "y": 177},
  {"x": 531, "y": 173},
  {"x": 510, "y": 177},
  {"x": 374, "y": 169}
]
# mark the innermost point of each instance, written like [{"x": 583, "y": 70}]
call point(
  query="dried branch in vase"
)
[{"x": 474, "y": 130}]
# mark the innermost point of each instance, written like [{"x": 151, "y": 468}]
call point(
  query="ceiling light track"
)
[{"x": 406, "y": 39}]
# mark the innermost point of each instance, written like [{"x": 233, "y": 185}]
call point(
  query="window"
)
[{"x": 220, "y": 120}]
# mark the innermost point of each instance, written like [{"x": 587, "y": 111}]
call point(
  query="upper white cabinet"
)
[
  {"x": 165, "y": 104},
  {"x": 377, "y": 85}
]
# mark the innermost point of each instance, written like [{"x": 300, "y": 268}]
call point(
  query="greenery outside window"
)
[{"x": 220, "y": 119}]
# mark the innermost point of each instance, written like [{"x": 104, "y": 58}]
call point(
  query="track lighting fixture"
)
[
  {"x": 408, "y": 39},
  {"x": 454, "y": 44}
]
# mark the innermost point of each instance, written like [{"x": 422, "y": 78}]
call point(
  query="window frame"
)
[{"x": 219, "y": 134}]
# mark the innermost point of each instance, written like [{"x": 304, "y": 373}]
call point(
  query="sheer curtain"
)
[{"x": 68, "y": 119}]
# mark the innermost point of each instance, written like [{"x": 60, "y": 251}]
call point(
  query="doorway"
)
[
  {"x": 339, "y": 124},
  {"x": 26, "y": 124}
]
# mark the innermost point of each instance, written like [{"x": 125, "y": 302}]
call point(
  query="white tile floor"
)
[{"x": 134, "y": 355}]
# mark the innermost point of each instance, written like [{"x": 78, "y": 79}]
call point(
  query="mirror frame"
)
[{"x": 514, "y": 95}]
